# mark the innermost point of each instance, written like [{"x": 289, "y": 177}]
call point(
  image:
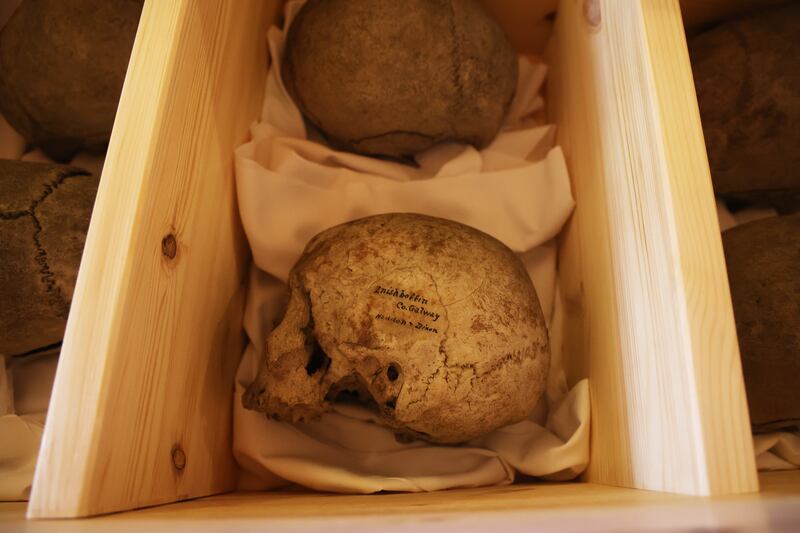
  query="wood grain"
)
[
  {"x": 642, "y": 270},
  {"x": 524, "y": 507},
  {"x": 717, "y": 363},
  {"x": 553, "y": 497},
  {"x": 154, "y": 332}
]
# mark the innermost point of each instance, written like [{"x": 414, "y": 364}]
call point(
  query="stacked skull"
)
[
  {"x": 382, "y": 77},
  {"x": 435, "y": 323}
]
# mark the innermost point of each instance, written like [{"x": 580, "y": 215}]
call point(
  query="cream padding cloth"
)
[
  {"x": 291, "y": 186},
  {"x": 25, "y": 384}
]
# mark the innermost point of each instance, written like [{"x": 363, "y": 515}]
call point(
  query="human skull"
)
[
  {"x": 382, "y": 77},
  {"x": 435, "y": 323}
]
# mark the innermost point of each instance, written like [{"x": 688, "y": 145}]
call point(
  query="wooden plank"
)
[
  {"x": 729, "y": 456},
  {"x": 301, "y": 503},
  {"x": 529, "y": 497},
  {"x": 537, "y": 506},
  {"x": 154, "y": 334},
  {"x": 641, "y": 263}
]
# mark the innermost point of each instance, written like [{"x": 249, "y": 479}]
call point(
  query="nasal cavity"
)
[{"x": 318, "y": 360}]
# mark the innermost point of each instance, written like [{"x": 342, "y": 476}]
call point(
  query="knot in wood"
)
[
  {"x": 169, "y": 246},
  {"x": 178, "y": 457}
]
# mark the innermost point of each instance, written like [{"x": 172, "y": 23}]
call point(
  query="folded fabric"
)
[
  {"x": 345, "y": 451},
  {"x": 21, "y": 437},
  {"x": 777, "y": 451},
  {"x": 291, "y": 186},
  {"x": 24, "y": 394}
]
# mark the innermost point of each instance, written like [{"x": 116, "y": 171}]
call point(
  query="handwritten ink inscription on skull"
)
[{"x": 406, "y": 301}]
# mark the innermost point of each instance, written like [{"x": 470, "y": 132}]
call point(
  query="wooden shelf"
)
[{"x": 558, "y": 506}]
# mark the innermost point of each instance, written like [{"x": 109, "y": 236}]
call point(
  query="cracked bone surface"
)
[
  {"x": 44, "y": 215},
  {"x": 382, "y": 77},
  {"x": 435, "y": 323}
]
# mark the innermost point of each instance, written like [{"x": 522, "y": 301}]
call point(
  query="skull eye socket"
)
[
  {"x": 392, "y": 372},
  {"x": 317, "y": 360}
]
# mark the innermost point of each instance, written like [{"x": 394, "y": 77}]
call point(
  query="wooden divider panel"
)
[
  {"x": 141, "y": 408},
  {"x": 648, "y": 310}
]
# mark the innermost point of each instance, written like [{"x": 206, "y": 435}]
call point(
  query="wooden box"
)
[{"x": 141, "y": 408}]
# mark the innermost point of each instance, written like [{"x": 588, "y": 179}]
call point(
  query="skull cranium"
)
[{"x": 435, "y": 323}]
